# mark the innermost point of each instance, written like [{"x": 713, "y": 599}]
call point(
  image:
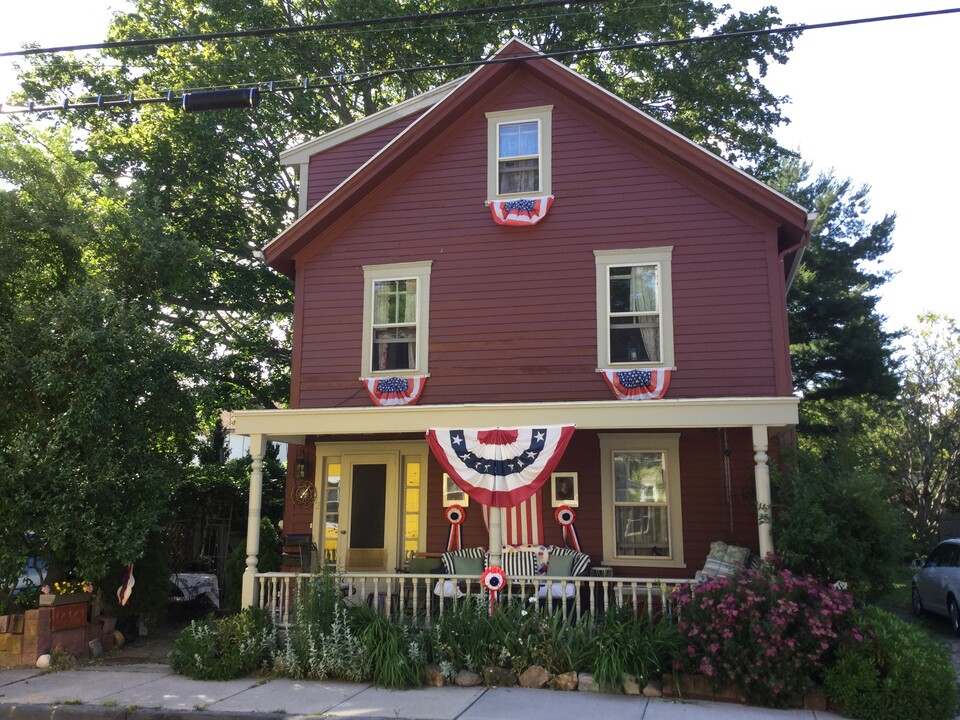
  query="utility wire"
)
[
  {"x": 295, "y": 29},
  {"x": 272, "y": 87}
]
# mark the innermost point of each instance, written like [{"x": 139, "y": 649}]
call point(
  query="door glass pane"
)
[
  {"x": 331, "y": 509},
  {"x": 368, "y": 499},
  {"x": 411, "y": 509}
]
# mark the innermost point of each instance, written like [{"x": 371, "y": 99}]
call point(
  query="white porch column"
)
[
  {"x": 258, "y": 446},
  {"x": 761, "y": 478},
  {"x": 496, "y": 536}
]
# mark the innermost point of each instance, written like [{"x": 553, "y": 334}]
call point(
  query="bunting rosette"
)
[
  {"x": 566, "y": 517},
  {"x": 500, "y": 467},
  {"x": 394, "y": 390},
  {"x": 521, "y": 211},
  {"x": 493, "y": 579},
  {"x": 638, "y": 384},
  {"x": 455, "y": 516}
]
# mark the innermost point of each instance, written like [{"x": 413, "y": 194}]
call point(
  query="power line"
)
[
  {"x": 295, "y": 29},
  {"x": 273, "y": 87}
]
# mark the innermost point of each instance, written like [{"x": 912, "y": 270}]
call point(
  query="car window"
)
[
  {"x": 951, "y": 557},
  {"x": 936, "y": 558}
]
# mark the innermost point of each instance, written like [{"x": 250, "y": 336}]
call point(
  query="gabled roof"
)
[
  {"x": 301, "y": 153},
  {"x": 281, "y": 251}
]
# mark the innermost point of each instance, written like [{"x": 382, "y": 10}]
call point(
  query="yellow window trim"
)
[
  {"x": 669, "y": 445},
  {"x": 662, "y": 257},
  {"x": 543, "y": 115}
]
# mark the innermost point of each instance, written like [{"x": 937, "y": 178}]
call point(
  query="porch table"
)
[{"x": 193, "y": 585}]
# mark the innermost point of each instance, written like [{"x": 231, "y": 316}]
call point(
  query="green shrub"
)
[
  {"x": 835, "y": 520},
  {"x": 768, "y": 632},
  {"x": 894, "y": 671},
  {"x": 227, "y": 648},
  {"x": 462, "y": 638},
  {"x": 321, "y": 642}
]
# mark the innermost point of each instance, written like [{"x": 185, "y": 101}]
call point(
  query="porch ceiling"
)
[{"x": 294, "y": 425}]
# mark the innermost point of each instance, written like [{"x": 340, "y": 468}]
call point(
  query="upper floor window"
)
[
  {"x": 396, "y": 319},
  {"x": 634, "y": 308},
  {"x": 518, "y": 152}
]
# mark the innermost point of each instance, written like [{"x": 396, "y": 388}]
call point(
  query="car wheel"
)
[
  {"x": 953, "y": 611},
  {"x": 917, "y": 602}
]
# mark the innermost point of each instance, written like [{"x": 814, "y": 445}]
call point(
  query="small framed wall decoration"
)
[
  {"x": 564, "y": 490},
  {"x": 452, "y": 494}
]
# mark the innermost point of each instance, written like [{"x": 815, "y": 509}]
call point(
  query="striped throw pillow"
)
[{"x": 520, "y": 564}]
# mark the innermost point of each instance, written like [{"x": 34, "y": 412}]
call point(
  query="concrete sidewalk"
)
[{"x": 154, "y": 692}]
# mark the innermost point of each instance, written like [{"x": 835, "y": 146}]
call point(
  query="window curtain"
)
[
  {"x": 410, "y": 316},
  {"x": 643, "y": 298}
]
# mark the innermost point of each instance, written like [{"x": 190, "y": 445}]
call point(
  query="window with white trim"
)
[
  {"x": 640, "y": 492},
  {"x": 518, "y": 152},
  {"x": 634, "y": 308},
  {"x": 396, "y": 319}
]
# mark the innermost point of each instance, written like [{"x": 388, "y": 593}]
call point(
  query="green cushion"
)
[
  {"x": 468, "y": 566},
  {"x": 560, "y": 566},
  {"x": 421, "y": 566}
]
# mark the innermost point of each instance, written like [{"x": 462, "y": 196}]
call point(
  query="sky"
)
[{"x": 877, "y": 103}]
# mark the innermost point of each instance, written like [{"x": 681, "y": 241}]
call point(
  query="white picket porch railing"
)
[{"x": 424, "y": 596}]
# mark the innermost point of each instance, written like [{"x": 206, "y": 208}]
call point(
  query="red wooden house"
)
[{"x": 520, "y": 248}]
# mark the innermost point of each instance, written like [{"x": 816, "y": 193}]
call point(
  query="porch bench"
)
[{"x": 536, "y": 563}]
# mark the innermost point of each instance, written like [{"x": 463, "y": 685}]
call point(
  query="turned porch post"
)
[
  {"x": 258, "y": 447},
  {"x": 761, "y": 477}
]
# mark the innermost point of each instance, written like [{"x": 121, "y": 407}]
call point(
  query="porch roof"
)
[{"x": 293, "y": 426}]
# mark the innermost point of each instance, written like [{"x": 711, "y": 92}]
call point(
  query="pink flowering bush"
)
[{"x": 767, "y": 632}]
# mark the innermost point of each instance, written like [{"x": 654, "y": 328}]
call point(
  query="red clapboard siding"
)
[
  {"x": 513, "y": 310},
  {"x": 706, "y": 512},
  {"x": 331, "y": 167}
]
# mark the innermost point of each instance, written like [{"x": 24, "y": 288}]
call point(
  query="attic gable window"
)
[
  {"x": 518, "y": 152},
  {"x": 396, "y": 319}
]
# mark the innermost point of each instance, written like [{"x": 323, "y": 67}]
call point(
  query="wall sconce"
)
[{"x": 300, "y": 469}]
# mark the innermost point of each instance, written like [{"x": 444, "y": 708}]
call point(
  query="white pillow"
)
[
  {"x": 558, "y": 590},
  {"x": 447, "y": 589}
]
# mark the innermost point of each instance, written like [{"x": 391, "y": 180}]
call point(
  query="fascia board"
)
[{"x": 599, "y": 415}]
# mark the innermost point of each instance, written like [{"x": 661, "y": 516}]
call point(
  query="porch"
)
[
  {"x": 342, "y": 440},
  {"x": 424, "y": 597}
]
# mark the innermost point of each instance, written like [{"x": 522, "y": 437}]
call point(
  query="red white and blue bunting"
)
[
  {"x": 500, "y": 467},
  {"x": 395, "y": 390},
  {"x": 455, "y": 516},
  {"x": 566, "y": 517},
  {"x": 522, "y": 211},
  {"x": 126, "y": 585},
  {"x": 638, "y": 384}
]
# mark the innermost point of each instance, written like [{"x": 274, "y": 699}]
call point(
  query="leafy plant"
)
[
  {"x": 227, "y": 648},
  {"x": 634, "y": 645},
  {"x": 892, "y": 670},
  {"x": 768, "y": 632},
  {"x": 396, "y": 656},
  {"x": 321, "y": 642}
]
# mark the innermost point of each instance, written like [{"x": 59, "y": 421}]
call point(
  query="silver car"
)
[{"x": 936, "y": 585}]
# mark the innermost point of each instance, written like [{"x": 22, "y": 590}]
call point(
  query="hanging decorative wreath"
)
[
  {"x": 566, "y": 517},
  {"x": 493, "y": 579},
  {"x": 455, "y": 516}
]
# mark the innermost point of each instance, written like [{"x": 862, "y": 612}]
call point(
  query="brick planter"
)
[{"x": 66, "y": 626}]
